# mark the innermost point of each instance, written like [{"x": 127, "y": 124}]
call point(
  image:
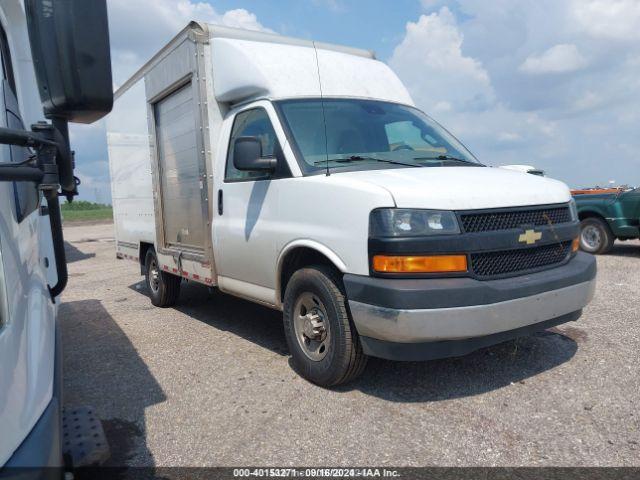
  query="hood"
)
[{"x": 464, "y": 188}]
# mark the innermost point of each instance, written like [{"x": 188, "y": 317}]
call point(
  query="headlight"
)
[
  {"x": 403, "y": 222},
  {"x": 574, "y": 210}
]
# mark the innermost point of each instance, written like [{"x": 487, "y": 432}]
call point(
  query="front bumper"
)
[{"x": 419, "y": 319}]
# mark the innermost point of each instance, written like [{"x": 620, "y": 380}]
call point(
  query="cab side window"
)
[
  {"x": 7, "y": 68},
  {"x": 26, "y": 194},
  {"x": 252, "y": 123}
]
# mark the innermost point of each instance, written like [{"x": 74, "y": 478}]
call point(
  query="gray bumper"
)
[
  {"x": 458, "y": 309},
  {"x": 431, "y": 325}
]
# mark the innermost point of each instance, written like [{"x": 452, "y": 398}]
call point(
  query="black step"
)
[{"x": 83, "y": 440}]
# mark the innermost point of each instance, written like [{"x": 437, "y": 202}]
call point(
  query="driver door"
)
[{"x": 247, "y": 212}]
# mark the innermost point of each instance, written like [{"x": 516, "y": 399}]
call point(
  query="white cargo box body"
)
[{"x": 164, "y": 129}]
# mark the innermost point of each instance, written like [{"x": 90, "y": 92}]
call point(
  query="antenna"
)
[{"x": 324, "y": 118}]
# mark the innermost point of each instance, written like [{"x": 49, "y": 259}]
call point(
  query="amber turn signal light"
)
[
  {"x": 575, "y": 244},
  {"x": 420, "y": 264}
]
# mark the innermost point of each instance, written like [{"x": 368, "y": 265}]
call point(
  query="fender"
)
[
  {"x": 594, "y": 211},
  {"x": 307, "y": 243}
]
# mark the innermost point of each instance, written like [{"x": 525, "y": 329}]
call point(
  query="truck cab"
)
[{"x": 606, "y": 215}]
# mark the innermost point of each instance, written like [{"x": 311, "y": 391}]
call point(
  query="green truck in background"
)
[{"x": 607, "y": 214}]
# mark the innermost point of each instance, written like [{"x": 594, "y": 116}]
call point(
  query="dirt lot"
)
[{"x": 209, "y": 383}]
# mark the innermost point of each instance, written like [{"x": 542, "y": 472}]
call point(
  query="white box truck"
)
[
  {"x": 54, "y": 68},
  {"x": 301, "y": 176}
]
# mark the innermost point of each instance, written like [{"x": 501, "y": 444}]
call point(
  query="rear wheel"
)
[
  {"x": 323, "y": 341},
  {"x": 163, "y": 287},
  {"x": 595, "y": 236}
]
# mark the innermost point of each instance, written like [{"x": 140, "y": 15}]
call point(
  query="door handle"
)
[{"x": 220, "y": 205}]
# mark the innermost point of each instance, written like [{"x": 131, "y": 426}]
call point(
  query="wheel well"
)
[
  {"x": 298, "y": 258},
  {"x": 144, "y": 248},
  {"x": 589, "y": 214}
]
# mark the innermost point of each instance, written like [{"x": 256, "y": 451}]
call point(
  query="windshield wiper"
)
[
  {"x": 356, "y": 158},
  {"x": 449, "y": 157}
]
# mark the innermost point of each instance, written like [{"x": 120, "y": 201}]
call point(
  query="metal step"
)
[{"x": 83, "y": 440}]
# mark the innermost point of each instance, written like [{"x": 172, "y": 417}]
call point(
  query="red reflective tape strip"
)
[
  {"x": 196, "y": 276},
  {"x": 175, "y": 270},
  {"x": 207, "y": 280}
]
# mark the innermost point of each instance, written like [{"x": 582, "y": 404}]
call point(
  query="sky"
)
[{"x": 549, "y": 83}]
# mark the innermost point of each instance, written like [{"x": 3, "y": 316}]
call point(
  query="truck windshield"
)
[{"x": 367, "y": 134}]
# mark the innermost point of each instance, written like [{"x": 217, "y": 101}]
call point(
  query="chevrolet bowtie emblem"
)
[{"x": 530, "y": 237}]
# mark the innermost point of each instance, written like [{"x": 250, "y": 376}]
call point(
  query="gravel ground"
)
[{"x": 209, "y": 382}]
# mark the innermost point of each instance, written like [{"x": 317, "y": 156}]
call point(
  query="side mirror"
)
[
  {"x": 247, "y": 155},
  {"x": 70, "y": 49}
]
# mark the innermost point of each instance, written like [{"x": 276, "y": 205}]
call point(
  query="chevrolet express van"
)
[{"x": 301, "y": 176}]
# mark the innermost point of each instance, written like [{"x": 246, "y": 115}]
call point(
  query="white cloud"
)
[
  {"x": 430, "y": 61},
  {"x": 241, "y": 18},
  {"x": 139, "y": 28},
  {"x": 609, "y": 19},
  {"x": 561, "y": 58}
]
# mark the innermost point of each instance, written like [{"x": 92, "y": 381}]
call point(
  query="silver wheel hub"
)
[
  {"x": 314, "y": 326},
  {"x": 154, "y": 276},
  {"x": 311, "y": 326},
  {"x": 591, "y": 236}
]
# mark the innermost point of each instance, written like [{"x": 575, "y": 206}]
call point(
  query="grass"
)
[{"x": 82, "y": 211}]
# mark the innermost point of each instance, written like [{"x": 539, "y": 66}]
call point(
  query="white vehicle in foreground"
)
[
  {"x": 300, "y": 175},
  {"x": 62, "y": 49}
]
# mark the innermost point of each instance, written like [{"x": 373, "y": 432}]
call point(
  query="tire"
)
[
  {"x": 322, "y": 339},
  {"x": 163, "y": 287},
  {"x": 595, "y": 236}
]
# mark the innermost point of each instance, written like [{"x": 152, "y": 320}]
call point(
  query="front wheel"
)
[
  {"x": 323, "y": 341},
  {"x": 595, "y": 236},
  {"x": 163, "y": 287}
]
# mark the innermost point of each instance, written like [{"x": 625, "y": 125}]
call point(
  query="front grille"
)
[
  {"x": 501, "y": 263},
  {"x": 504, "y": 220}
]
